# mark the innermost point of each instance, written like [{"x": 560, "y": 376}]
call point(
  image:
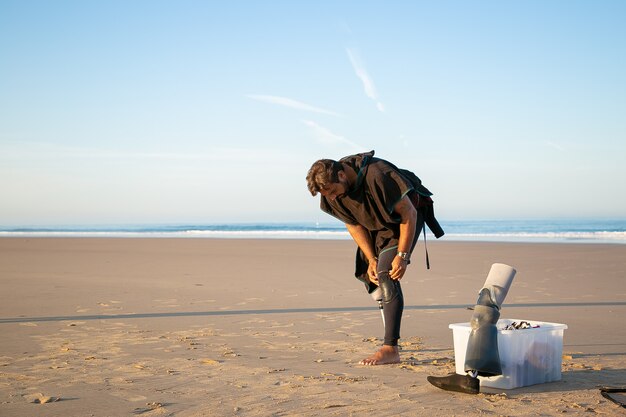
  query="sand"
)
[{"x": 212, "y": 327}]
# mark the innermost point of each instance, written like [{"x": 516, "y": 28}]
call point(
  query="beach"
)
[{"x": 276, "y": 327}]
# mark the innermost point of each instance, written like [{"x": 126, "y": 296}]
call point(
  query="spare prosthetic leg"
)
[
  {"x": 482, "y": 356},
  {"x": 482, "y": 353}
]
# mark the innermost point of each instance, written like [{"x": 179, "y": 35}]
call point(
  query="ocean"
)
[{"x": 570, "y": 231}]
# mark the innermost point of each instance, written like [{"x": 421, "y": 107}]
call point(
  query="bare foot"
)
[{"x": 385, "y": 356}]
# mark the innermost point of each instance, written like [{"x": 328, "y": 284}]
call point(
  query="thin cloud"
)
[
  {"x": 325, "y": 136},
  {"x": 294, "y": 104},
  {"x": 48, "y": 151},
  {"x": 555, "y": 146},
  {"x": 363, "y": 75}
]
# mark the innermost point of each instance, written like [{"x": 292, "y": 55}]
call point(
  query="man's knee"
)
[{"x": 390, "y": 288}]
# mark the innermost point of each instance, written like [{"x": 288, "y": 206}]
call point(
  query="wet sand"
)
[{"x": 212, "y": 327}]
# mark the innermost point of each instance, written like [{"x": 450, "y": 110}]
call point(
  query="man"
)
[{"x": 384, "y": 209}]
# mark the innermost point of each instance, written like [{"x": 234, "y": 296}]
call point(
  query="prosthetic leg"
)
[
  {"x": 482, "y": 356},
  {"x": 377, "y": 296}
]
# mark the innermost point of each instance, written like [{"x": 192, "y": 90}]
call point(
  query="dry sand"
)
[{"x": 202, "y": 327}]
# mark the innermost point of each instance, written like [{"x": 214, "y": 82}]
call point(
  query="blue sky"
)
[{"x": 199, "y": 111}]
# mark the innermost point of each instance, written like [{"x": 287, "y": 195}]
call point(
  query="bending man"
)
[{"x": 384, "y": 209}]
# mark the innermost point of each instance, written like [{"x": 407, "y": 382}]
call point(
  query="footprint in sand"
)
[{"x": 149, "y": 408}]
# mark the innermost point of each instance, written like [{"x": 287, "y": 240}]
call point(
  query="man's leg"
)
[
  {"x": 393, "y": 303},
  {"x": 393, "y": 306}
]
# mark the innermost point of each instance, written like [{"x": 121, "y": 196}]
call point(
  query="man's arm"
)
[
  {"x": 363, "y": 239},
  {"x": 408, "y": 214}
]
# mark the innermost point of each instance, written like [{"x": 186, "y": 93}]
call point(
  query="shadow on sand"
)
[
  {"x": 24, "y": 319},
  {"x": 572, "y": 380}
]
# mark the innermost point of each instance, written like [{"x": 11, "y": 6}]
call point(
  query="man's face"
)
[{"x": 336, "y": 189}]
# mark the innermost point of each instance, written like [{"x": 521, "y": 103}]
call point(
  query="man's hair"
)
[{"x": 322, "y": 173}]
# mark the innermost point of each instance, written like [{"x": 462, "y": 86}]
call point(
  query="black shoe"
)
[{"x": 455, "y": 382}]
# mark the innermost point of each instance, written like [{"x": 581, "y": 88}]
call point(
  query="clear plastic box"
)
[{"x": 528, "y": 356}]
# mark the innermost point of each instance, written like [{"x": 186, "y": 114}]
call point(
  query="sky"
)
[{"x": 143, "y": 112}]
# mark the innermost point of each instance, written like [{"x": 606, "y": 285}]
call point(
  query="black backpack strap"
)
[{"x": 425, "y": 248}]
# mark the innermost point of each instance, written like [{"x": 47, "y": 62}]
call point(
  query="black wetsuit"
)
[{"x": 380, "y": 185}]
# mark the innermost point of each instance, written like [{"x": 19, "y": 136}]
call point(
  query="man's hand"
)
[
  {"x": 372, "y": 272},
  {"x": 398, "y": 268}
]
